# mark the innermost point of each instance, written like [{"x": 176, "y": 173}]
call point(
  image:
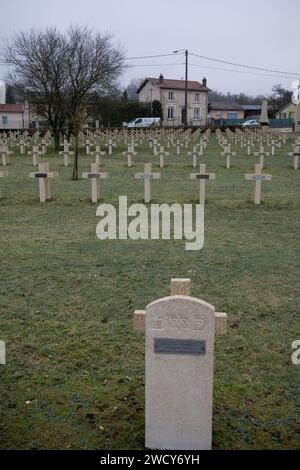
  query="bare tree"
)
[
  {"x": 132, "y": 88},
  {"x": 93, "y": 65},
  {"x": 39, "y": 73}
]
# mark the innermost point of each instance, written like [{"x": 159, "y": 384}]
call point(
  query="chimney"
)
[
  {"x": 204, "y": 82},
  {"x": 161, "y": 78}
]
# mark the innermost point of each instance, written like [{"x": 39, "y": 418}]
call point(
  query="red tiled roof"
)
[
  {"x": 174, "y": 84},
  {"x": 11, "y": 108}
]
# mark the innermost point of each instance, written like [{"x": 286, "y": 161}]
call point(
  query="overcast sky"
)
[{"x": 261, "y": 33}]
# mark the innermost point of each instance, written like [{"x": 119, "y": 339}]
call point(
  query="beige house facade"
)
[
  {"x": 14, "y": 116},
  {"x": 171, "y": 94}
]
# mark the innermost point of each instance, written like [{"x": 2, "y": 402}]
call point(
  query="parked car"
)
[
  {"x": 251, "y": 123},
  {"x": 144, "y": 122}
]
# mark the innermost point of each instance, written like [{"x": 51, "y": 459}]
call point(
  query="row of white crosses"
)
[{"x": 44, "y": 174}]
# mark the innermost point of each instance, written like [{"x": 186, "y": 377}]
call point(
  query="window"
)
[
  {"x": 171, "y": 113},
  {"x": 196, "y": 113},
  {"x": 4, "y": 120},
  {"x": 170, "y": 95},
  {"x": 197, "y": 97},
  {"x": 138, "y": 121},
  {"x": 232, "y": 115},
  {"x": 218, "y": 114}
]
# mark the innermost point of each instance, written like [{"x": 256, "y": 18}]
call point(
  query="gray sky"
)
[{"x": 262, "y": 33}]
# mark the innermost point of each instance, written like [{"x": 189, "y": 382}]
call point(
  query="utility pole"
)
[
  {"x": 185, "y": 110},
  {"x": 186, "y": 89},
  {"x": 151, "y": 105}
]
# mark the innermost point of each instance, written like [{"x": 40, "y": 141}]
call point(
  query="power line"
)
[
  {"x": 245, "y": 66},
  {"x": 241, "y": 71},
  {"x": 150, "y": 56},
  {"x": 154, "y": 65}
]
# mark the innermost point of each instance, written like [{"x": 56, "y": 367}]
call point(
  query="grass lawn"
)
[{"x": 74, "y": 377}]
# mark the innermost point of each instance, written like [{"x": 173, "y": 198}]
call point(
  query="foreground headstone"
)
[
  {"x": 258, "y": 177},
  {"x": 95, "y": 176},
  {"x": 147, "y": 176},
  {"x": 43, "y": 176},
  {"x": 202, "y": 176},
  {"x": 179, "y": 336}
]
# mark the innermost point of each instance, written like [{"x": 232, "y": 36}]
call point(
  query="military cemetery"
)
[{"x": 116, "y": 341}]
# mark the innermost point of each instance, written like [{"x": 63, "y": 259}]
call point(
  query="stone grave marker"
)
[
  {"x": 295, "y": 154},
  {"x": 35, "y": 155},
  {"x": 162, "y": 155},
  {"x": 95, "y": 176},
  {"x": 43, "y": 176},
  {"x": 130, "y": 153},
  {"x": 179, "y": 356},
  {"x": 202, "y": 177},
  {"x": 258, "y": 177},
  {"x": 147, "y": 176}
]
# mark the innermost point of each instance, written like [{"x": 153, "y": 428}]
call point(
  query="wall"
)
[
  {"x": 14, "y": 120},
  {"x": 213, "y": 114}
]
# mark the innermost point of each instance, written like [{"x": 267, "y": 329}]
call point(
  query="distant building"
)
[
  {"x": 287, "y": 112},
  {"x": 222, "y": 110},
  {"x": 171, "y": 94},
  {"x": 14, "y": 116}
]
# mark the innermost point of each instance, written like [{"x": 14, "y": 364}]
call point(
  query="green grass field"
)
[{"x": 74, "y": 377}]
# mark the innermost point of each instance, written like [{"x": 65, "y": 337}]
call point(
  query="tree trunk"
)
[
  {"x": 75, "y": 166},
  {"x": 56, "y": 135}
]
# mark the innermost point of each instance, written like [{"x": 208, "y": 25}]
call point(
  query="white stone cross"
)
[
  {"x": 258, "y": 177},
  {"x": 179, "y": 355},
  {"x": 261, "y": 153},
  {"x": 147, "y": 176},
  {"x": 66, "y": 153},
  {"x": 5, "y": 154},
  {"x": 295, "y": 154},
  {"x": 95, "y": 176},
  {"x": 162, "y": 155},
  {"x": 98, "y": 154},
  {"x": 228, "y": 153},
  {"x": 130, "y": 153},
  {"x": 194, "y": 154},
  {"x": 110, "y": 146},
  {"x": 202, "y": 176},
  {"x": 35, "y": 155},
  {"x": 43, "y": 176}
]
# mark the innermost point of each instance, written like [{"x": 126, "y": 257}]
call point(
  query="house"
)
[
  {"x": 287, "y": 112},
  {"x": 222, "y": 110},
  {"x": 171, "y": 94},
  {"x": 14, "y": 116}
]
